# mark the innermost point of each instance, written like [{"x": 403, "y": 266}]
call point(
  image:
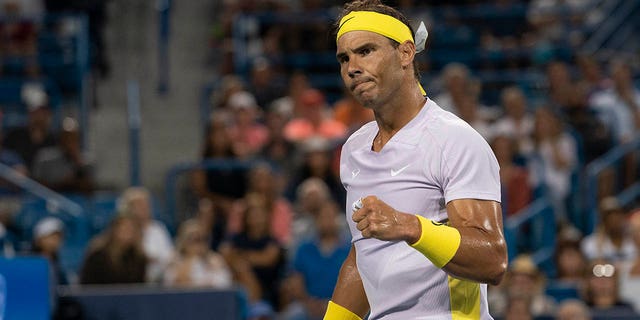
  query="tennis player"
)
[{"x": 423, "y": 187}]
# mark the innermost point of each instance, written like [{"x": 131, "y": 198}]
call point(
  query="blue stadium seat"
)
[{"x": 102, "y": 211}]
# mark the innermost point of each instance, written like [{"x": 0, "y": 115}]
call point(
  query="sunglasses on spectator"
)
[{"x": 603, "y": 270}]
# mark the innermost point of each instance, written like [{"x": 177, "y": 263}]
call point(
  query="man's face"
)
[{"x": 370, "y": 67}]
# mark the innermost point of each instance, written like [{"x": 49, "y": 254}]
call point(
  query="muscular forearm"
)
[
  {"x": 349, "y": 292},
  {"x": 481, "y": 257}
]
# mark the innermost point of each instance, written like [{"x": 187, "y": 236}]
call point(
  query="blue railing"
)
[
  {"x": 619, "y": 14},
  {"x": 55, "y": 201},
  {"x": 540, "y": 240},
  {"x": 593, "y": 171},
  {"x": 164, "y": 17},
  {"x": 135, "y": 121}
]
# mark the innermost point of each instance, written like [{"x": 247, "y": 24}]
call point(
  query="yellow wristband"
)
[
  {"x": 438, "y": 242},
  {"x": 338, "y": 312}
]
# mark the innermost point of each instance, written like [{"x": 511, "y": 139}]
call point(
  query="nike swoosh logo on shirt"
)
[
  {"x": 397, "y": 172},
  {"x": 355, "y": 173}
]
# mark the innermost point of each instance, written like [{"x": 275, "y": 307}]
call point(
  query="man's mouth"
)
[{"x": 357, "y": 83}]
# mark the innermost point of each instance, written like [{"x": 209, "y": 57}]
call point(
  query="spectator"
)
[
  {"x": 278, "y": 151},
  {"x": 524, "y": 285},
  {"x": 265, "y": 84},
  {"x": 48, "y": 236},
  {"x": 97, "y": 14},
  {"x": 291, "y": 104},
  {"x": 556, "y": 150},
  {"x": 18, "y": 34},
  {"x": 514, "y": 179},
  {"x": 561, "y": 87},
  {"x": 247, "y": 135},
  {"x": 611, "y": 240},
  {"x": 311, "y": 194},
  {"x": 595, "y": 135},
  {"x": 26, "y": 141},
  {"x": 116, "y": 255},
  {"x": 619, "y": 105},
  {"x": 229, "y": 85},
  {"x": 517, "y": 122},
  {"x": 317, "y": 163},
  {"x": 630, "y": 270},
  {"x": 213, "y": 223},
  {"x": 64, "y": 168},
  {"x": 264, "y": 182},
  {"x": 194, "y": 264},
  {"x": 317, "y": 264},
  {"x": 518, "y": 308},
  {"x": 314, "y": 120},
  {"x": 256, "y": 247},
  {"x": 570, "y": 263},
  {"x": 468, "y": 110},
  {"x": 573, "y": 309},
  {"x": 156, "y": 241},
  {"x": 591, "y": 74},
  {"x": 223, "y": 186},
  {"x": 456, "y": 80},
  {"x": 601, "y": 291}
]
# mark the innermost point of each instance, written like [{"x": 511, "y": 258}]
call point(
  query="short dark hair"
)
[{"x": 379, "y": 7}]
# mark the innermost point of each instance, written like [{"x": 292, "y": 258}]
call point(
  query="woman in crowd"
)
[
  {"x": 116, "y": 256},
  {"x": 254, "y": 246},
  {"x": 194, "y": 264}
]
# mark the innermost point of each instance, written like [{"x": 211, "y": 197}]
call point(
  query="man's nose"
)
[{"x": 353, "y": 69}]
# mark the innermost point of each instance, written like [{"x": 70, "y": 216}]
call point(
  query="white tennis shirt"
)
[{"x": 433, "y": 159}]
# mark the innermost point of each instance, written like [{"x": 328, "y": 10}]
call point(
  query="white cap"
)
[
  {"x": 47, "y": 226},
  {"x": 34, "y": 96},
  {"x": 242, "y": 100},
  {"x": 315, "y": 144}
]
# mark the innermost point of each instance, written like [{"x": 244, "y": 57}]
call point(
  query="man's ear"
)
[{"x": 407, "y": 51}]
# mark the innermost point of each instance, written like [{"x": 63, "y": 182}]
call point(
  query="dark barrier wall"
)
[{"x": 150, "y": 303}]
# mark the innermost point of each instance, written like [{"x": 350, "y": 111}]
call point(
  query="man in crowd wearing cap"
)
[
  {"x": 48, "y": 236},
  {"x": 28, "y": 140},
  {"x": 426, "y": 223}
]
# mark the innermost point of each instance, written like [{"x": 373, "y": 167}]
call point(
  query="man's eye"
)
[{"x": 365, "y": 52}]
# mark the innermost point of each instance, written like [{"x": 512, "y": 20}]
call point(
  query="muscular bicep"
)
[
  {"x": 479, "y": 214},
  {"x": 482, "y": 242}
]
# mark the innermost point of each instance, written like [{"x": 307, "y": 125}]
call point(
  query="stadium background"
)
[{"x": 143, "y": 79}]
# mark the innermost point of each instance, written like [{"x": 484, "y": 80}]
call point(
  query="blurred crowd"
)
[
  {"x": 25, "y": 25},
  {"x": 278, "y": 230}
]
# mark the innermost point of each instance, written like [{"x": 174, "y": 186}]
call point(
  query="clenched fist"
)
[{"x": 376, "y": 219}]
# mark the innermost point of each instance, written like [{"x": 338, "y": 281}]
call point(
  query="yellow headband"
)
[{"x": 379, "y": 23}]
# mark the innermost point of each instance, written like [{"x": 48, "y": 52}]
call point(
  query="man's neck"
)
[{"x": 395, "y": 114}]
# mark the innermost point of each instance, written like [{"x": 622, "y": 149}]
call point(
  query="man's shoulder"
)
[{"x": 444, "y": 127}]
